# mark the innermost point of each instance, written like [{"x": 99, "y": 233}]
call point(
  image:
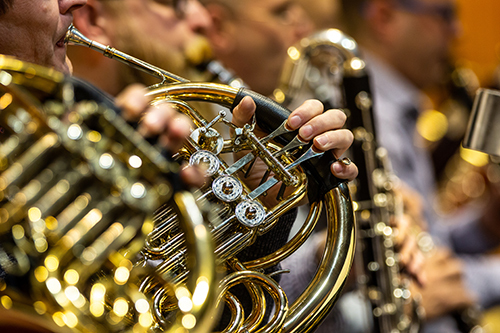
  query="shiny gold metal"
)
[
  {"x": 323, "y": 58},
  {"x": 75, "y": 211},
  {"x": 244, "y": 216},
  {"x": 309, "y": 309}
]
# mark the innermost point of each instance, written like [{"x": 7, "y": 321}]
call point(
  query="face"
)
[
  {"x": 323, "y": 12},
  {"x": 154, "y": 31},
  {"x": 426, "y": 32},
  {"x": 260, "y": 32},
  {"x": 34, "y": 31}
]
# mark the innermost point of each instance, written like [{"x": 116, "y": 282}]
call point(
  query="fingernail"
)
[
  {"x": 306, "y": 132},
  {"x": 337, "y": 167},
  {"x": 322, "y": 140},
  {"x": 294, "y": 122}
]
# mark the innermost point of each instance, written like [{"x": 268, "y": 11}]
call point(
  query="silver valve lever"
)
[
  {"x": 295, "y": 143},
  {"x": 219, "y": 117},
  {"x": 309, "y": 154},
  {"x": 282, "y": 129}
]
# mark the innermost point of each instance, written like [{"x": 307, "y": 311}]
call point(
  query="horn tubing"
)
[
  {"x": 75, "y": 37},
  {"x": 309, "y": 310}
]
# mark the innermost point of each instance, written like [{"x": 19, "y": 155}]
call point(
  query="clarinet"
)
[
  {"x": 218, "y": 73},
  {"x": 327, "y": 66},
  {"x": 380, "y": 279}
]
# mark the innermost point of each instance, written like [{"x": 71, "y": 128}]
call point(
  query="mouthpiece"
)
[{"x": 75, "y": 37}]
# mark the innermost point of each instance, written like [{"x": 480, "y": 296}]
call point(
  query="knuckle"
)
[{"x": 314, "y": 106}]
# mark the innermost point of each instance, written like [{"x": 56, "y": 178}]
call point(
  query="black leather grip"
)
[{"x": 269, "y": 115}]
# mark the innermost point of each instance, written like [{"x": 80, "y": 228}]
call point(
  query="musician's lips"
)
[{"x": 60, "y": 42}]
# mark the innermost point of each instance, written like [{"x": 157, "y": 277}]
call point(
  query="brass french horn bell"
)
[{"x": 78, "y": 188}]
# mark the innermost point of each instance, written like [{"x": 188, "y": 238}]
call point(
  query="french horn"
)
[
  {"x": 294, "y": 171},
  {"x": 481, "y": 132},
  {"x": 78, "y": 188}
]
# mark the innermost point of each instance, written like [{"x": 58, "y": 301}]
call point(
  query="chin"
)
[{"x": 64, "y": 67}]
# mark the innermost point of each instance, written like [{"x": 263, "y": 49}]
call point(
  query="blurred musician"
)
[{"x": 406, "y": 44}]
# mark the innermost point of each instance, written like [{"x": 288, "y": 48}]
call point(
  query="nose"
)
[
  {"x": 303, "y": 24},
  {"x": 68, "y": 6},
  {"x": 197, "y": 16}
]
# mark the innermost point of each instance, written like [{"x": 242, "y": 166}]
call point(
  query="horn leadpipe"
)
[{"x": 75, "y": 37}]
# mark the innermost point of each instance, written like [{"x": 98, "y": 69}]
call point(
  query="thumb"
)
[{"x": 244, "y": 111}]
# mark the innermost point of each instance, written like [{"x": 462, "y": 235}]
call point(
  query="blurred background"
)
[{"x": 478, "y": 49}]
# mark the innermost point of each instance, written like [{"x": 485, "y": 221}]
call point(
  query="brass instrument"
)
[
  {"x": 243, "y": 217},
  {"x": 482, "y": 134},
  {"x": 462, "y": 174},
  {"x": 317, "y": 66},
  {"x": 327, "y": 66},
  {"x": 78, "y": 188}
]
